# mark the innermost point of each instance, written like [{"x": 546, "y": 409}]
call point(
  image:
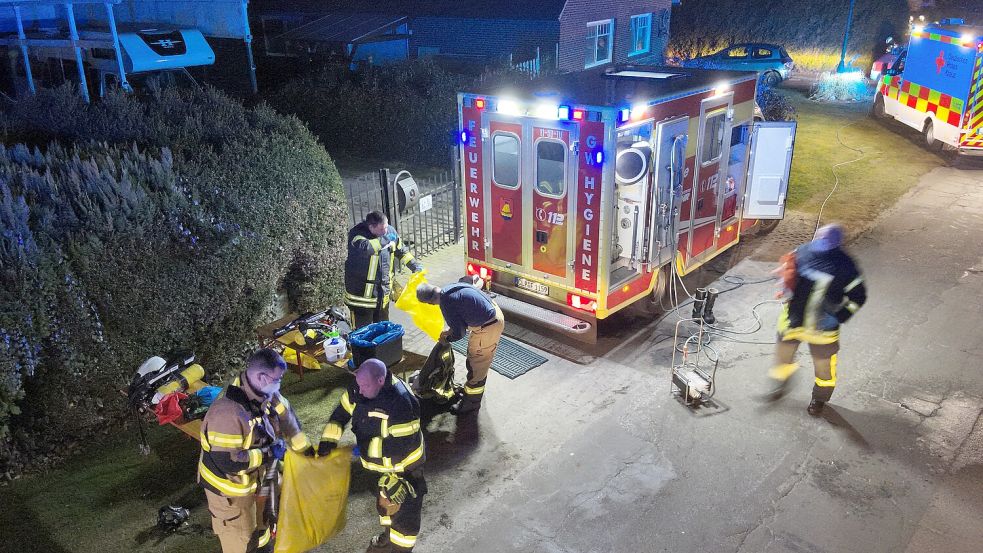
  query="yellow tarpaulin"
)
[
  {"x": 313, "y": 499},
  {"x": 426, "y": 317}
]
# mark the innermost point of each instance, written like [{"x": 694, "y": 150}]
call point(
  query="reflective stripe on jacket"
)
[
  {"x": 369, "y": 267},
  {"x": 386, "y": 427},
  {"x": 237, "y": 429}
]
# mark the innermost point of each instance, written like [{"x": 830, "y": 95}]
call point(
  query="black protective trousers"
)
[{"x": 403, "y": 527}]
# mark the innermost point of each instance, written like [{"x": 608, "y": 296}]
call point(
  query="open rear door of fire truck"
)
[{"x": 769, "y": 166}]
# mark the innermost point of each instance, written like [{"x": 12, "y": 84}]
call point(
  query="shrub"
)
[
  {"x": 842, "y": 87},
  {"x": 136, "y": 225},
  {"x": 774, "y": 105}
]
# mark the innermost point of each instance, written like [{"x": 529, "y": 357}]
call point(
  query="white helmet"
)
[{"x": 152, "y": 365}]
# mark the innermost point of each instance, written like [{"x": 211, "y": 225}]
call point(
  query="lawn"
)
[
  {"x": 891, "y": 162},
  {"x": 106, "y": 500}
]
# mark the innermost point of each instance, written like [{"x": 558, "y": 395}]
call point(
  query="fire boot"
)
[
  {"x": 779, "y": 376},
  {"x": 380, "y": 544},
  {"x": 698, "y": 302},
  {"x": 708, "y": 316},
  {"x": 468, "y": 404}
]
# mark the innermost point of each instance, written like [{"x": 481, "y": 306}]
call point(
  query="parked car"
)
[
  {"x": 772, "y": 62},
  {"x": 892, "y": 52}
]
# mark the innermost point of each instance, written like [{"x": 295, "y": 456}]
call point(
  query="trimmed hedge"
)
[
  {"x": 806, "y": 28},
  {"x": 140, "y": 224},
  {"x": 405, "y": 111}
]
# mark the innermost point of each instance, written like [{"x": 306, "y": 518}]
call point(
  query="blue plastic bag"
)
[{"x": 208, "y": 394}]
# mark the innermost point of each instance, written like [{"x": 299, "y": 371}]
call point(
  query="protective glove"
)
[
  {"x": 325, "y": 447},
  {"x": 277, "y": 450},
  {"x": 310, "y": 451},
  {"x": 395, "y": 488}
]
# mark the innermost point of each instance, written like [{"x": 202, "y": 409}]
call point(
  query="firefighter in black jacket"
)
[
  {"x": 826, "y": 289},
  {"x": 241, "y": 437},
  {"x": 372, "y": 247},
  {"x": 385, "y": 419}
]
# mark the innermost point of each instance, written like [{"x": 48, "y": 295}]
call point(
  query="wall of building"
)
[{"x": 577, "y": 13}]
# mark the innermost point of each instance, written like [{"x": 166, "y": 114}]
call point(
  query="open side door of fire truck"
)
[{"x": 769, "y": 165}]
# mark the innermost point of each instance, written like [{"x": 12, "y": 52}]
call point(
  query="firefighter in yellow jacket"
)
[
  {"x": 373, "y": 248},
  {"x": 385, "y": 419},
  {"x": 244, "y": 432}
]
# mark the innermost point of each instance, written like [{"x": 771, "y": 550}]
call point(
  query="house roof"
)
[
  {"x": 342, "y": 27},
  {"x": 546, "y": 10}
]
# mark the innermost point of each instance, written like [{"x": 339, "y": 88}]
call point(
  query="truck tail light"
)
[
  {"x": 484, "y": 273},
  {"x": 580, "y": 302}
]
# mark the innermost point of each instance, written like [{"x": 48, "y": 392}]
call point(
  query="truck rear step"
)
[{"x": 551, "y": 319}]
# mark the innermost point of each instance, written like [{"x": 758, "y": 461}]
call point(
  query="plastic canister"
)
[
  {"x": 335, "y": 349},
  {"x": 191, "y": 374}
]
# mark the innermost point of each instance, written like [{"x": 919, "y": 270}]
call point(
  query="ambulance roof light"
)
[
  {"x": 624, "y": 114},
  {"x": 547, "y": 111},
  {"x": 579, "y": 115},
  {"x": 508, "y": 107},
  {"x": 479, "y": 103},
  {"x": 638, "y": 111},
  {"x": 968, "y": 40},
  {"x": 563, "y": 112},
  {"x": 721, "y": 88}
]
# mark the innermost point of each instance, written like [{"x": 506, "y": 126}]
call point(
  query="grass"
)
[
  {"x": 892, "y": 162},
  {"x": 106, "y": 500},
  {"x": 814, "y": 59}
]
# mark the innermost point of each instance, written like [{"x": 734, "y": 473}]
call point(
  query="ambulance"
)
[
  {"x": 585, "y": 191},
  {"x": 936, "y": 87}
]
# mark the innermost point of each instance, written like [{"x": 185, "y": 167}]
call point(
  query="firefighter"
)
[
  {"x": 466, "y": 307},
  {"x": 823, "y": 288},
  {"x": 243, "y": 435},
  {"x": 372, "y": 246},
  {"x": 385, "y": 419}
]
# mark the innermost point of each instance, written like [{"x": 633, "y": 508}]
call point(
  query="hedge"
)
[
  {"x": 811, "y": 30},
  {"x": 136, "y": 225},
  {"x": 405, "y": 111}
]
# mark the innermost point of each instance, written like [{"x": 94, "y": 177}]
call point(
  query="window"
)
[
  {"x": 736, "y": 52},
  {"x": 550, "y": 163},
  {"x": 641, "y": 33},
  {"x": 599, "y": 34},
  {"x": 761, "y": 53},
  {"x": 713, "y": 137},
  {"x": 505, "y": 160}
]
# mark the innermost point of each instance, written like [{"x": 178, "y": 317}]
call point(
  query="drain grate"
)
[{"x": 511, "y": 359}]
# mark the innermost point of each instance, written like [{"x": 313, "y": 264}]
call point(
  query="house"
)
[{"x": 569, "y": 35}]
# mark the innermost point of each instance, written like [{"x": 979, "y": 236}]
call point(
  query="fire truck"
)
[
  {"x": 584, "y": 191},
  {"x": 936, "y": 87}
]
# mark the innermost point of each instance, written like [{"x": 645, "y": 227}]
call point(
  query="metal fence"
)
[{"x": 425, "y": 225}]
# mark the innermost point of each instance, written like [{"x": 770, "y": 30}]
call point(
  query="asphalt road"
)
[{"x": 597, "y": 456}]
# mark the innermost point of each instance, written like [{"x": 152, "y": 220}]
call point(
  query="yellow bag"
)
[
  {"x": 313, "y": 499},
  {"x": 426, "y": 317}
]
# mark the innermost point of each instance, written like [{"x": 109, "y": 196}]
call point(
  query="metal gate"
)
[{"x": 427, "y": 224}]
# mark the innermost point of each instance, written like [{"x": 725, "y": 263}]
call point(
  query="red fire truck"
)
[{"x": 584, "y": 190}]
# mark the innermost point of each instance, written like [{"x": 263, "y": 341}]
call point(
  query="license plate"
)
[{"x": 536, "y": 287}]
